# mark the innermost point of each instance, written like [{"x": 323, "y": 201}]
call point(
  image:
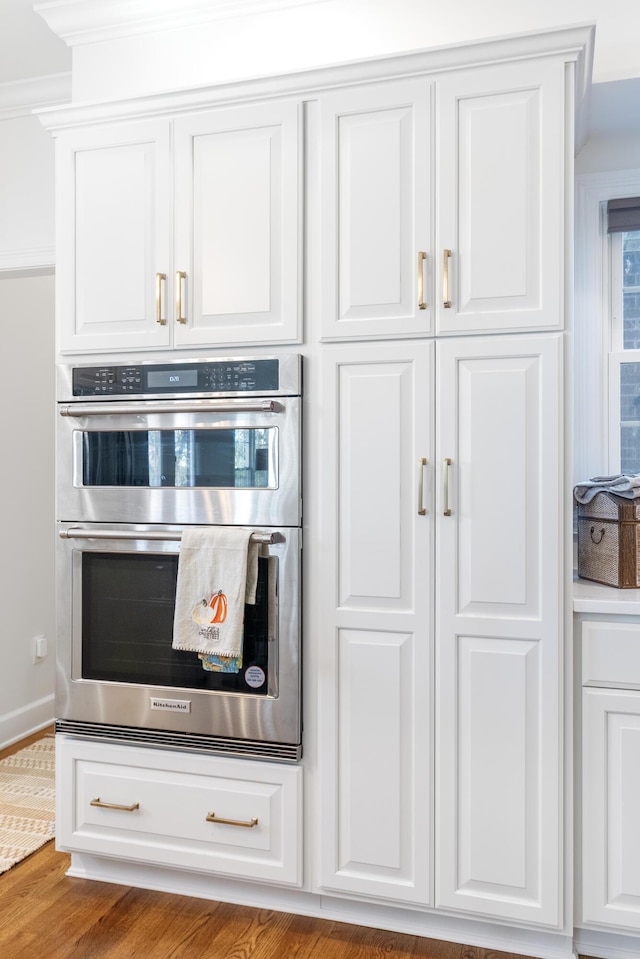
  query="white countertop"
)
[{"x": 591, "y": 597}]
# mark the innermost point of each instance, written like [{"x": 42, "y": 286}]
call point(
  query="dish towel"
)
[
  {"x": 622, "y": 484},
  {"x": 217, "y": 575}
]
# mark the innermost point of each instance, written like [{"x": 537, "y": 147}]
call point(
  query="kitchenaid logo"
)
[{"x": 171, "y": 705}]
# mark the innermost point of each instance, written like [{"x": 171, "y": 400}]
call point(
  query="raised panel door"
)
[
  {"x": 237, "y": 233},
  {"x": 610, "y": 802},
  {"x": 500, "y": 144},
  {"x": 499, "y": 582},
  {"x": 376, "y": 695},
  {"x": 113, "y": 237},
  {"x": 376, "y": 224}
]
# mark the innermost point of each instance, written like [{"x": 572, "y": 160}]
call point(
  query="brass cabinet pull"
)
[
  {"x": 422, "y": 462},
  {"x": 422, "y": 256},
  {"x": 160, "y": 278},
  {"x": 180, "y": 277},
  {"x": 211, "y": 817},
  {"x": 112, "y": 805},
  {"x": 446, "y": 302},
  {"x": 445, "y": 483}
]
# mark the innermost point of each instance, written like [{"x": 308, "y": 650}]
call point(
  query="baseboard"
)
[
  {"x": 508, "y": 939},
  {"x": 23, "y": 722},
  {"x": 606, "y": 945}
]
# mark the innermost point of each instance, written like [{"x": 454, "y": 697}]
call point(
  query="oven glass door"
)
[
  {"x": 128, "y": 602},
  {"x": 183, "y": 463},
  {"x": 115, "y": 661}
]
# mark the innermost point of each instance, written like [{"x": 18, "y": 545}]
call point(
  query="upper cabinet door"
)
[
  {"x": 237, "y": 233},
  {"x": 375, "y": 197},
  {"x": 500, "y": 211},
  {"x": 113, "y": 237}
]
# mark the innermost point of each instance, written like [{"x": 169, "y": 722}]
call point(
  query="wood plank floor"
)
[{"x": 45, "y": 914}]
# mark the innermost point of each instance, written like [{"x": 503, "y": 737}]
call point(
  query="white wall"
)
[{"x": 27, "y": 494}]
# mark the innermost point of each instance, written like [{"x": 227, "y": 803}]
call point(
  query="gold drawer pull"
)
[
  {"x": 446, "y": 302},
  {"x": 211, "y": 817},
  {"x": 180, "y": 277},
  {"x": 160, "y": 279},
  {"x": 422, "y": 303},
  {"x": 114, "y": 805}
]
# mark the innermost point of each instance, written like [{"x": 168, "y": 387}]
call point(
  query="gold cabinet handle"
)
[
  {"x": 422, "y": 462},
  {"x": 160, "y": 278},
  {"x": 445, "y": 484},
  {"x": 422, "y": 303},
  {"x": 112, "y": 805},
  {"x": 446, "y": 302},
  {"x": 180, "y": 277},
  {"x": 211, "y": 817}
]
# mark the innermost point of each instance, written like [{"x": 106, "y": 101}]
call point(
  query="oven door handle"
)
[
  {"x": 80, "y": 532},
  {"x": 178, "y": 406}
]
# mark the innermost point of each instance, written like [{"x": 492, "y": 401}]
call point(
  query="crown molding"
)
[
  {"x": 23, "y": 97},
  {"x": 30, "y": 261},
  {"x": 89, "y": 21}
]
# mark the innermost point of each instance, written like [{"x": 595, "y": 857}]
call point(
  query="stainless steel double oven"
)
[{"x": 143, "y": 451}]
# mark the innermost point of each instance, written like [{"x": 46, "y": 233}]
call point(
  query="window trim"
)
[{"x": 592, "y": 335}]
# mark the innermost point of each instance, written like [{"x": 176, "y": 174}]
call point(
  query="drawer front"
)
[
  {"x": 611, "y": 654},
  {"x": 200, "y": 813}
]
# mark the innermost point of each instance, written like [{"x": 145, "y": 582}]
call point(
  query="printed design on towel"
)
[{"x": 209, "y": 614}]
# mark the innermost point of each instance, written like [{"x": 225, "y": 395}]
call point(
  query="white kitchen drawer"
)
[
  {"x": 172, "y": 793},
  {"x": 611, "y": 654}
]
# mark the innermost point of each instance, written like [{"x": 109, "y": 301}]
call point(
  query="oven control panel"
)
[{"x": 258, "y": 376}]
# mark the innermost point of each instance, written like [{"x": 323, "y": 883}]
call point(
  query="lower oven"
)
[{"x": 118, "y": 677}]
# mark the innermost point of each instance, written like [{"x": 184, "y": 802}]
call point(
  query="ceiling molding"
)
[
  {"x": 89, "y": 21},
  {"x": 22, "y": 97}
]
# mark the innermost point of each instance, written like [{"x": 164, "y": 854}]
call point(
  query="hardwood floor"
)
[{"x": 45, "y": 914}]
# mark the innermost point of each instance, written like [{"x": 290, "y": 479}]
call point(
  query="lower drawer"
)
[{"x": 205, "y": 813}]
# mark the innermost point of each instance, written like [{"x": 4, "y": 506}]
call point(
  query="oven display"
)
[
  {"x": 172, "y": 379},
  {"x": 244, "y": 377}
]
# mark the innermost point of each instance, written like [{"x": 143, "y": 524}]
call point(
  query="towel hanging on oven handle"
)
[{"x": 79, "y": 532}]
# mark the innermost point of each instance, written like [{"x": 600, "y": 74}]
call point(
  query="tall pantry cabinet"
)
[
  {"x": 443, "y": 249},
  {"x": 433, "y": 192}
]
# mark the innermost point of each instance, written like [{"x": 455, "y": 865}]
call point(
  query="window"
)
[{"x": 623, "y": 230}]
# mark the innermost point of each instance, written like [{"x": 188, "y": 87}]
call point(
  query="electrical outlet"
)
[{"x": 39, "y": 649}]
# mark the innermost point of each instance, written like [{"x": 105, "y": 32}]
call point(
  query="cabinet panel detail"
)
[
  {"x": 610, "y": 799},
  {"x": 375, "y": 182},
  {"x": 377, "y": 479},
  {"x": 374, "y": 751},
  {"x": 611, "y": 654},
  {"x": 238, "y": 224},
  {"x": 375, "y": 659},
  {"x": 498, "y": 546},
  {"x": 499, "y": 582},
  {"x": 498, "y": 766},
  {"x": 500, "y": 144}
]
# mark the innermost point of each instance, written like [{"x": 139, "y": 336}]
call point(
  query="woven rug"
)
[{"x": 27, "y": 801}]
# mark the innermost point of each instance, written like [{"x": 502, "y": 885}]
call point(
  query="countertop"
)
[{"x": 591, "y": 597}]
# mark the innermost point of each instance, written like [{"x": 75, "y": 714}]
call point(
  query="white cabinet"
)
[
  {"x": 181, "y": 233},
  {"x": 611, "y": 773},
  {"x": 500, "y": 142},
  {"x": 200, "y": 813},
  {"x": 376, "y": 199},
  {"x": 498, "y": 626},
  {"x": 442, "y": 203},
  {"x": 376, "y": 642},
  {"x": 477, "y": 489}
]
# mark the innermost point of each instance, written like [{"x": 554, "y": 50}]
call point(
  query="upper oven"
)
[{"x": 189, "y": 442}]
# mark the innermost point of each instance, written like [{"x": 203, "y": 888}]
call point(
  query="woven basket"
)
[{"x": 609, "y": 541}]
